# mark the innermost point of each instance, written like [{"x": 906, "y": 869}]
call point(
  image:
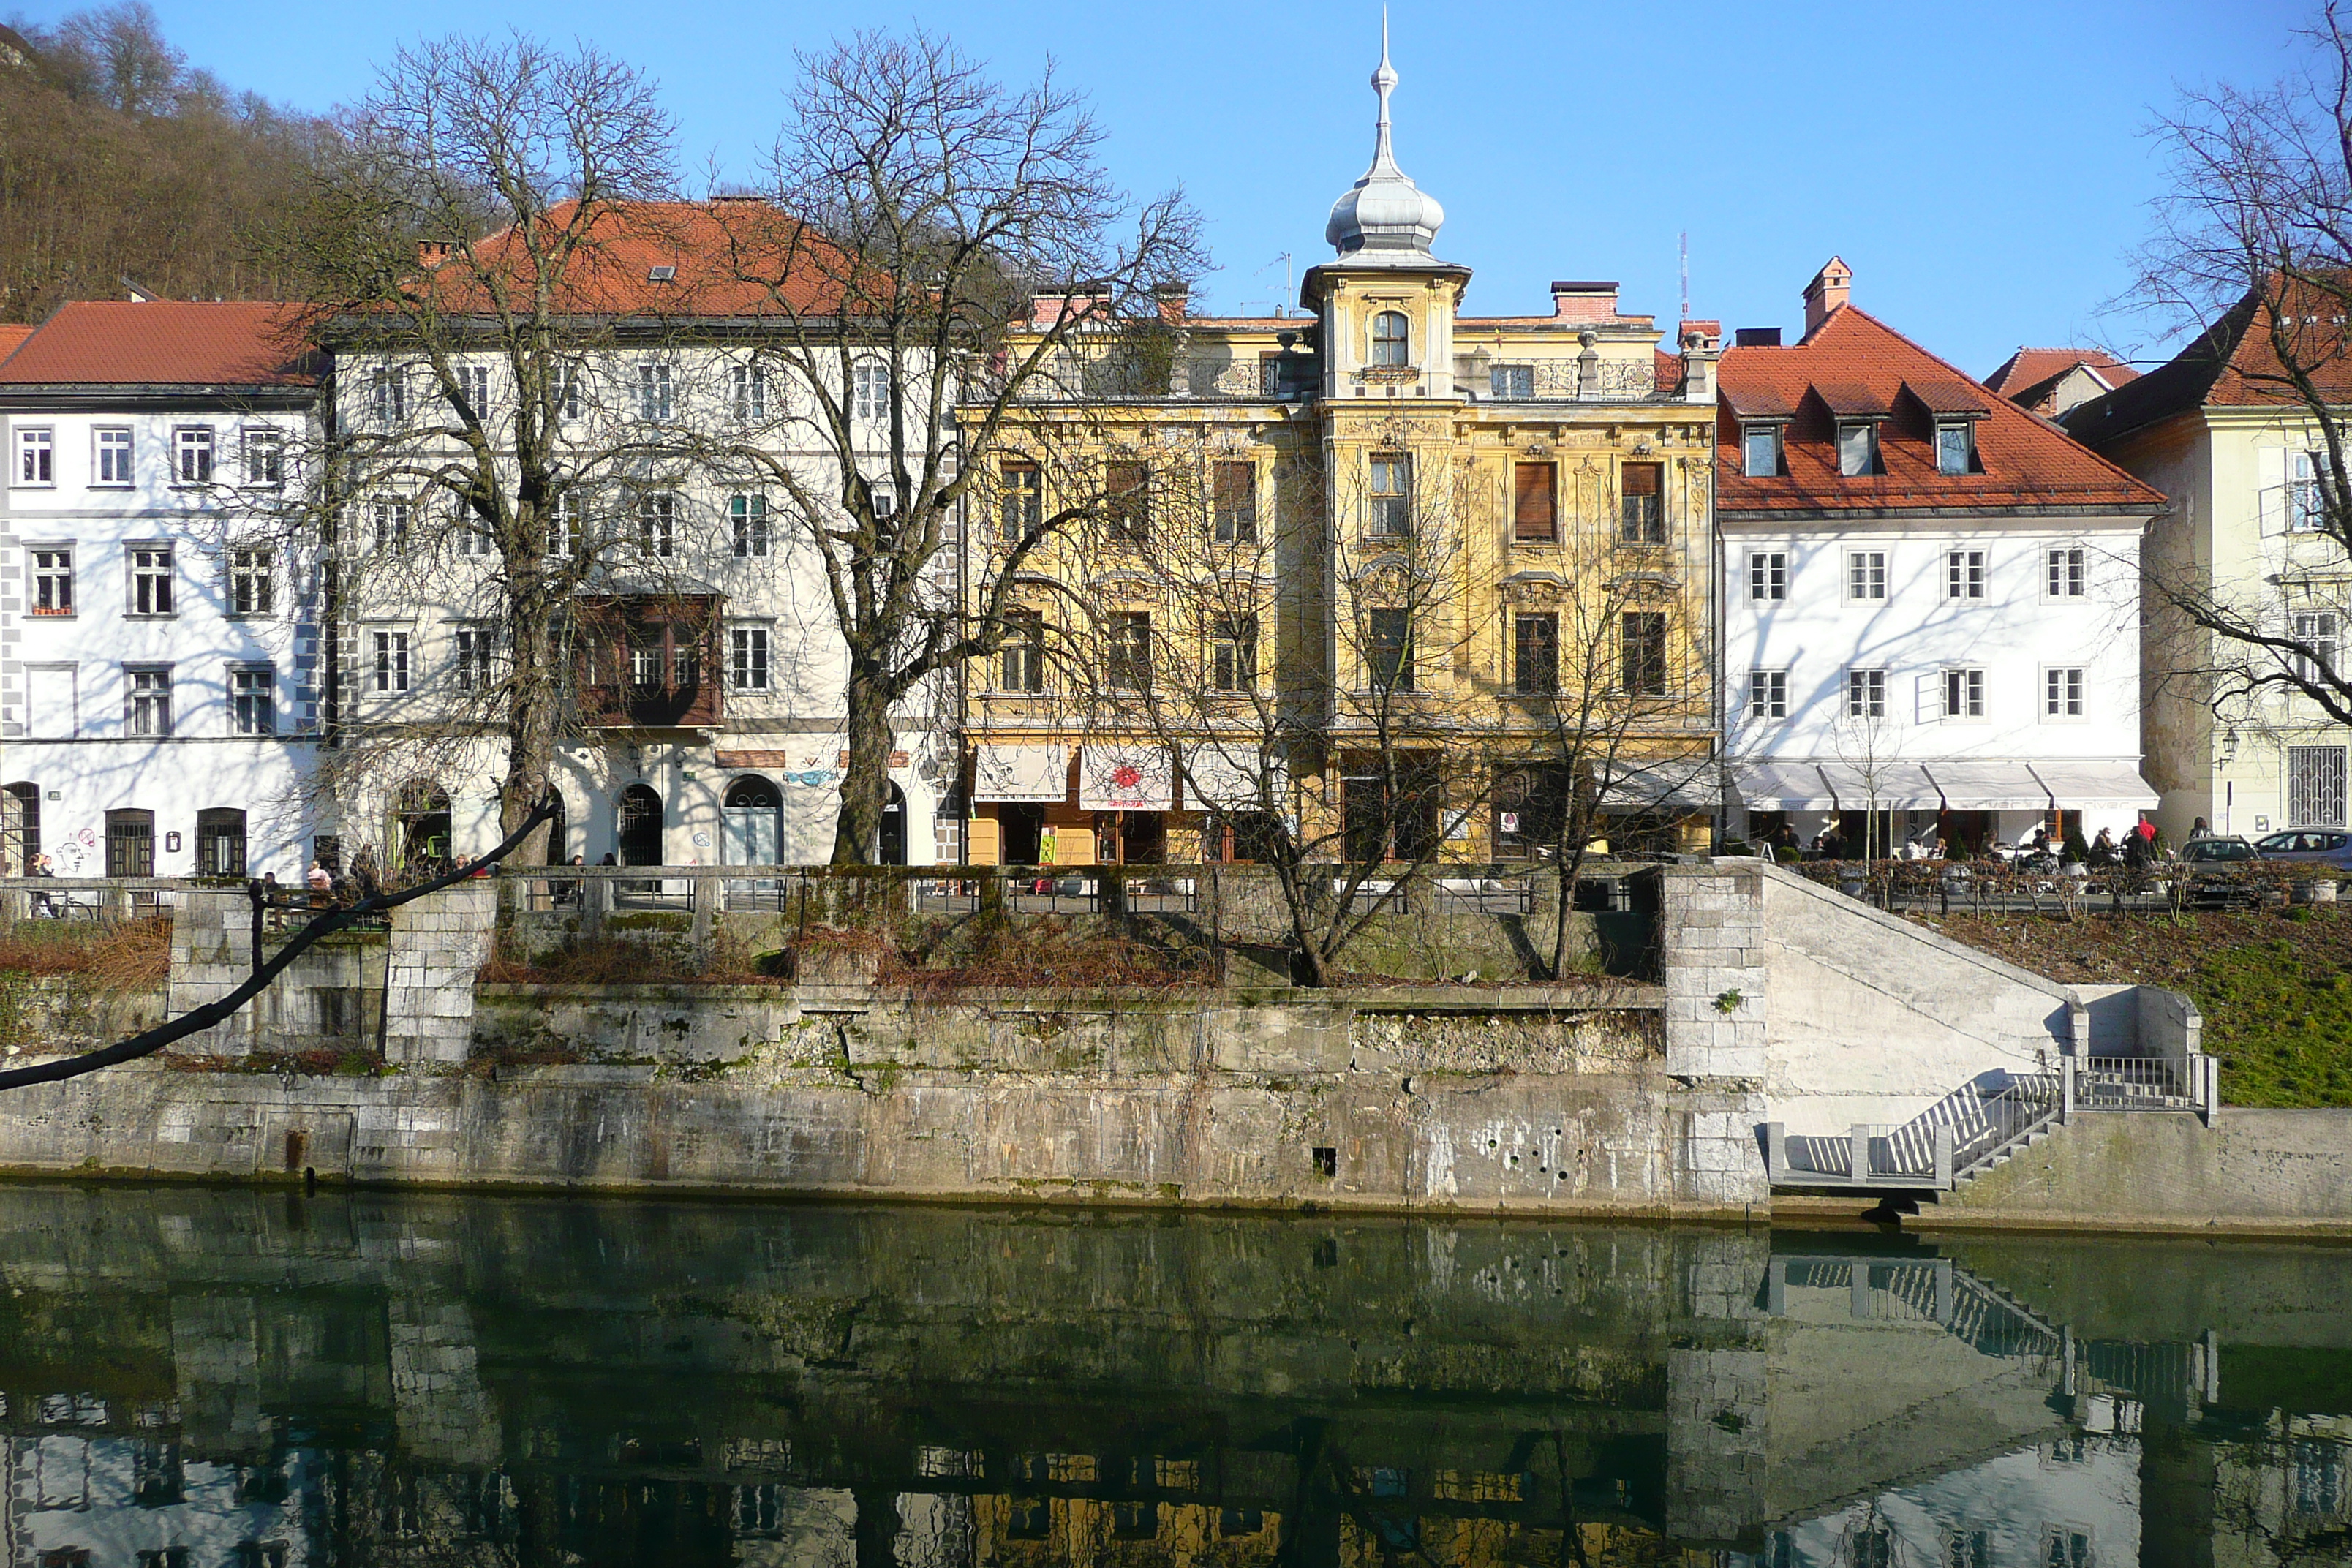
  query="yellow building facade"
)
[{"x": 1408, "y": 577}]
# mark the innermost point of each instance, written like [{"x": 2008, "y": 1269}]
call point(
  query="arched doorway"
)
[
  {"x": 420, "y": 825},
  {"x": 892, "y": 846},
  {"x": 20, "y": 829},
  {"x": 638, "y": 835},
  {"x": 752, "y": 823},
  {"x": 220, "y": 842}
]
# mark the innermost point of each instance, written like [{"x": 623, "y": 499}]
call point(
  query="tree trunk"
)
[
  {"x": 866, "y": 781},
  {"x": 531, "y": 731}
]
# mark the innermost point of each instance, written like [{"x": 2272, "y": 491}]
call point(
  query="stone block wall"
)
[{"x": 438, "y": 945}]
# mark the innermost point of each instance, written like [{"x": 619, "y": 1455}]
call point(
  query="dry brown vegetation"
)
[{"x": 128, "y": 956}]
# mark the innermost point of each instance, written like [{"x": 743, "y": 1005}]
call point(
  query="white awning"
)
[
  {"x": 1685, "y": 784},
  {"x": 1989, "y": 786},
  {"x": 2095, "y": 786},
  {"x": 1021, "y": 773},
  {"x": 1137, "y": 777},
  {"x": 1224, "y": 775},
  {"x": 1881, "y": 787},
  {"x": 1782, "y": 787}
]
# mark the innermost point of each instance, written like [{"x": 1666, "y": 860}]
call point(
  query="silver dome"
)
[{"x": 1384, "y": 216}]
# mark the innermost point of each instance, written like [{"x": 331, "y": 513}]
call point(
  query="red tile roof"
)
[
  {"x": 2235, "y": 362},
  {"x": 1861, "y": 364},
  {"x": 2030, "y": 368},
  {"x": 11, "y": 336},
  {"x": 159, "y": 343}
]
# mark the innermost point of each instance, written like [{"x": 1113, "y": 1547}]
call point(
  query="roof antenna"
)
[{"x": 1685, "y": 251}]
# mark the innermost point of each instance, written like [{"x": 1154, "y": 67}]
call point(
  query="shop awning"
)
[
  {"x": 1881, "y": 787},
  {"x": 2095, "y": 786},
  {"x": 1989, "y": 786},
  {"x": 1685, "y": 784},
  {"x": 1126, "y": 778},
  {"x": 1782, "y": 787},
  {"x": 1021, "y": 773},
  {"x": 1224, "y": 775}
]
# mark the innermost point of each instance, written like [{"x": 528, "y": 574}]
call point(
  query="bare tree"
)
[
  {"x": 919, "y": 209},
  {"x": 2255, "y": 244}
]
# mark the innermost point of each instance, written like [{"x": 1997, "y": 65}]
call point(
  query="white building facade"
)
[
  {"x": 1931, "y": 600},
  {"x": 158, "y": 613}
]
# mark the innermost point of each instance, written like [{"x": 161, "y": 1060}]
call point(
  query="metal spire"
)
[{"x": 1384, "y": 81}]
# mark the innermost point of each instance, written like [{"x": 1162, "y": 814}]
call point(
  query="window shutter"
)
[
  {"x": 1931, "y": 697},
  {"x": 2270, "y": 480},
  {"x": 1641, "y": 478},
  {"x": 1531, "y": 500}
]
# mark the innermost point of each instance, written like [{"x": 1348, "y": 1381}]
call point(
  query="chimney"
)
[
  {"x": 1756, "y": 338},
  {"x": 1702, "y": 345},
  {"x": 1174, "y": 299},
  {"x": 1831, "y": 289},
  {"x": 1583, "y": 302},
  {"x": 433, "y": 252}
]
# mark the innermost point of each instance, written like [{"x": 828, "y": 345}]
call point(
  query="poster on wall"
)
[{"x": 1126, "y": 778}]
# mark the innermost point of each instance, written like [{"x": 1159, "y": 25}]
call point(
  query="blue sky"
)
[{"x": 1982, "y": 167}]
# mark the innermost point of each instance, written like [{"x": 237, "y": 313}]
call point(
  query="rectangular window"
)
[
  {"x": 1511, "y": 383},
  {"x": 1535, "y": 640},
  {"x": 388, "y": 397},
  {"x": 1388, "y": 648},
  {"x": 2067, "y": 571},
  {"x": 265, "y": 456},
  {"x": 1534, "y": 514},
  {"x": 252, "y": 583},
  {"x": 474, "y": 386},
  {"x": 1392, "y": 514},
  {"x": 1963, "y": 694},
  {"x": 471, "y": 538},
  {"x": 1857, "y": 448},
  {"x": 747, "y": 658},
  {"x": 1964, "y": 575},
  {"x": 1767, "y": 694},
  {"x": 192, "y": 455},
  {"x": 1865, "y": 576},
  {"x": 392, "y": 661},
  {"x": 1233, "y": 497},
  {"x": 2315, "y": 635},
  {"x": 1866, "y": 694},
  {"x": 390, "y": 520},
  {"x": 658, "y": 523},
  {"x": 53, "y": 581},
  {"x": 1641, "y": 639},
  {"x": 1128, "y": 665},
  {"x": 746, "y": 521},
  {"x": 2314, "y": 786},
  {"x": 652, "y": 391},
  {"x": 1956, "y": 448},
  {"x": 1021, "y": 501},
  {"x": 685, "y": 660},
  {"x": 1767, "y": 574},
  {"x": 1233, "y": 645},
  {"x": 2062, "y": 693},
  {"x": 1759, "y": 451},
  {"x": 151, "y": 580},
  {"x": 646, "y": 664},
  {"x": 113, "y": 457},
  {"x": 1643, "y": 503},
  {"x": 563, "y": 525},
  {"x": 252, "y": 706},
  {"x": 870, "y": 390},
  {"x": 748, "y": 388},
  {"x": 568, "y": 380},
  {"x": 1127, "y": 502},
  {"x": 1285, "y": 377},
  {"x": 37, "y": 455},
  {"x": 1022, "y": 656},
  {"x": 147, "y": 699},
  {"x": 474, "y": 651},
  {"x": 2307, "y": 490}
]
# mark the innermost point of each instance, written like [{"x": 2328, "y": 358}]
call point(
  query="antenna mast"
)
[{"x": 1686, "y": 255}]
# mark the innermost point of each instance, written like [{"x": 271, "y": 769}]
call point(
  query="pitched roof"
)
[
  {"x": 11, "y": 336},
  {"x": 1856, "y": 362},
  {"x": 2029, "y": 369},
  {"x": 2235, "y": 362},
  {"x": 160, "y": 342}
]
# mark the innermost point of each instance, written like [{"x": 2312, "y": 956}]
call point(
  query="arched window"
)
[
  {"x": 420, "y": 825},
  {"x": 220, "y": 842},
  {"x": 752, "y": 819},
  {"x": 869, "y": 385},
  {"x": 639, "y": 836},
  {"x": 890, "y": 842},
  {"x": 1389, "y": 341},
  {"x": 20, "y": 829}
]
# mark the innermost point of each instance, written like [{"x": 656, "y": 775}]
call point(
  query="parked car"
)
[
  {"x": 2313, "y": 846},
  {"x": 2217, "y": 849},
  {"x": 2215, "y": 853}
]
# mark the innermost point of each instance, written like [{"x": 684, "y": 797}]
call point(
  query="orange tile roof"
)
[
  {"x": 2235, "y": 362},
  {"x": 1864, "y": 363},
  {"x": 161, "y": 343},
  {"x": 2030, "y": 368},
  {"x": 11, "y": 336}
]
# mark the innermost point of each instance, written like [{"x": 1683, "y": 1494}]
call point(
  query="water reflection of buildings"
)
[{"x": 257, "y": 1381}]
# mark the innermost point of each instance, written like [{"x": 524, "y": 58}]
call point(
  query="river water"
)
[{"x": 217, "y": 1378}]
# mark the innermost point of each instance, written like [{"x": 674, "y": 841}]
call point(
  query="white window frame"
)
[
  {"x": 388, "y": 397},
  {"x": 113, "y": 457},
  {"x": 2065, "y": 573},
  {"x": 474, "y": 650},
  {"x": 748, "y": 390},
  {"x": 1965, "y": 430},
  {"x": 252, "y": 579},
  {"x": 140, "y": 569},
  {"x": 388, "y": 524},
  {"x": 2065, "y": 693},
  {"x": 37, "y": 458},
  {"x": 1767, "y": 575},
  {"x": 1965, "y": 571},
  {"x": 658, "y": 523},
  {"x": 1866, "y": 694},
  {"x": 1389, "y": 512},
  {"x": 1769, "y": 436},
  {"x": 751, "y": 659},
  {"x": 564, "y": 525},
  {"x": 195, "y": 446},
  {"x": 44, "y": 577},
  {"x": 1767, "y": 694},
  {"x": 2306, "y": 492},
  {"x": 1866, "y": 570},
  {"x": 158, "y": 701},
  {"x": 656, "y": 399},
  {"x": 1379, "y": 352},
  {"x": 261, "y": 452},
  {"x": 252, "y": 699},
  {"x": 1963, "y": 693},
  {"x": 389, "y": 666},
  {"x": 1511, "y": 382},
  {"x": 1866, "y": 432},
  {"x": 869, "y": 389},
  {"x": 749, "y": 532},
  {"x": 474, "y": 385},
  {"x": 2321, "y": 631}
]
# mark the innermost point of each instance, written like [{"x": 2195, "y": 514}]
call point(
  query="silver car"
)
[{"x": 2317, "y": 846}]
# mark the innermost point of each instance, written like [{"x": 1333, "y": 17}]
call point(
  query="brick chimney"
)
[
  {"x": 1582, "y": 300},
  {"x": 1174, "y": 300},
  {"x": 1830, "y": 289},
  {"x": 433, "y": 252}
]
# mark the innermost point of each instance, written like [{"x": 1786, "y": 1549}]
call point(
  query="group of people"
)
[{"x": 2139, "y": 845}]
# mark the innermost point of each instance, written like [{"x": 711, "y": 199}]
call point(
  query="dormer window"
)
[
  {"x": 1759, "y": 451},
  {"x": 1858, "y": 448},
  {"x": 1956, "y": 448},
  {"x": 1391, "y": 340}
]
